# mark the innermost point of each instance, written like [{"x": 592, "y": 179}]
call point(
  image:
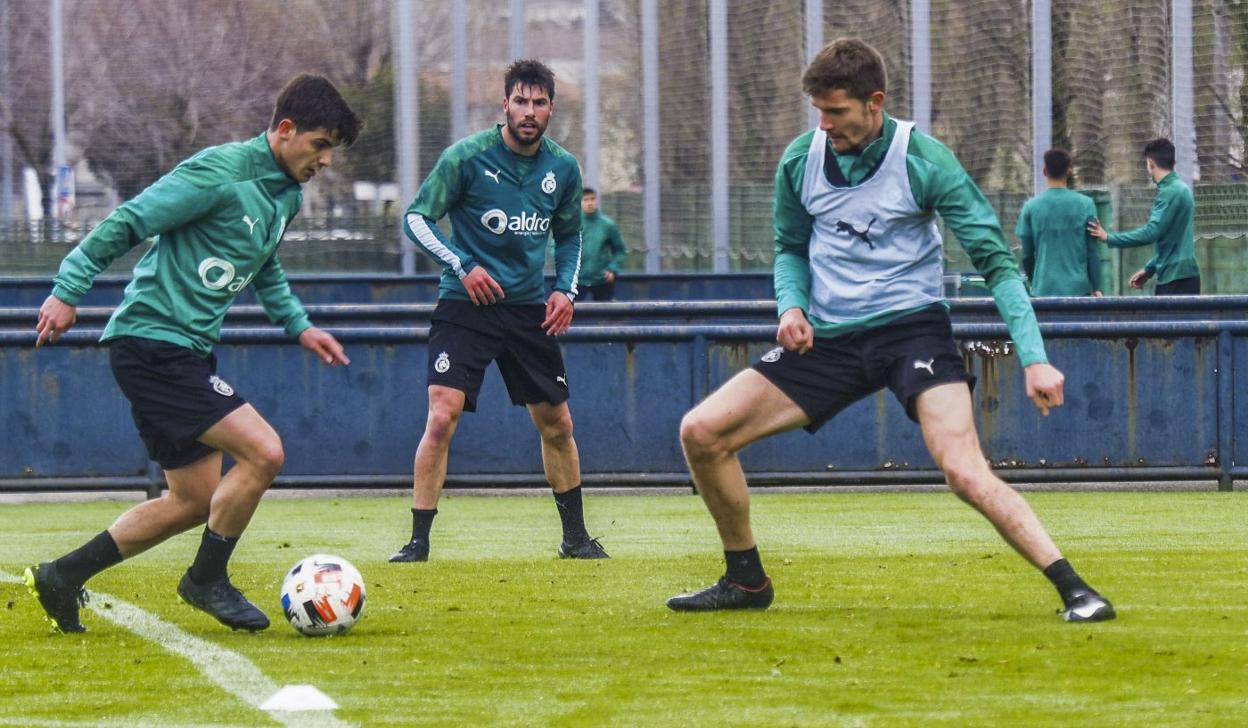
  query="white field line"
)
[{"x": 226, "y": 669}]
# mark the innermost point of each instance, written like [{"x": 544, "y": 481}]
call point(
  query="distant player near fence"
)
[{"x": 1060, "y": 256}]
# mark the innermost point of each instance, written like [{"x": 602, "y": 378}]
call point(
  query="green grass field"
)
[{"x": 891, "y": 609}]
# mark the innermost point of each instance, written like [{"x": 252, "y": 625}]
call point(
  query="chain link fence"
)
[{"x": 146, "y": 83}]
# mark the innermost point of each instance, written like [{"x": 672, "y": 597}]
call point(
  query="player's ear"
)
[{"x": 286, "y": 129}]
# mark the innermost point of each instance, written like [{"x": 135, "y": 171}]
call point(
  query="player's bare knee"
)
[
  {"x": 440, "y": 425},
  {"x": 556, "y": 430},
  {"x": 699, "y": 437},
  {"x": 268, "y": 457},
  {"x": 969, "y": 479}
]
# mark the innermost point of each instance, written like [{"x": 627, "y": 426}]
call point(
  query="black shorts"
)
[
  {"x": 175, "y": 396},
  {"x": 1180, "y": 287},
  {"x": 909, "y": 356},
  {"x": 464, "y": 339}
]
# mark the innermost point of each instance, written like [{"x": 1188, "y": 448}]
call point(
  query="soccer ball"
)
[{"x": 322, "y": 595}]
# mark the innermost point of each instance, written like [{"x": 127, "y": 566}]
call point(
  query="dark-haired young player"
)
[
  {"x": 507, "y": 191},
  {"x": 858, "y": 281},
  {"x": 1060, "y": 257},
  {"x": 1171, "y": 227},
  {"x": 216, "y": 221}
]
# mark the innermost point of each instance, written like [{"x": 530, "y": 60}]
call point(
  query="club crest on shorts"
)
[
  {"x": 442, "y": 363},
  {"x": 221, "y": 386},
  {"x": 773, "y": 355},
  {"x": 548, "y": 183}
]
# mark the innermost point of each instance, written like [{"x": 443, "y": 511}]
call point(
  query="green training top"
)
[
  {"x": 503, "y": 208},
  {"x": 217, "y": 220},
  {"x": 1171, "y": 227},
  {"x": 1059, "y": 256},
  {"x": 602, "y": 248},
  {"x": 939, "y": 184}
]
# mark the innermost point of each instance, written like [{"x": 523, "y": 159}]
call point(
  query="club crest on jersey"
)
[
  {"x": 548, "y": 183},
  {"x": 220, "y": 386},
  {"x": 773, "y": 355},
  {"x": 442, "y": 364}
]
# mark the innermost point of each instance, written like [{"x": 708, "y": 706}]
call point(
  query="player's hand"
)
[
  {"x": 558, "y": 314},
  {"x": 55, "y": 318},
  {"x": 609, "y": 276},
  {"x": 795, "y": 332},
  {"x": 1139, "y": 278},
  {"x": 482, "y": 288},
  {"x": 324, "y": 345},
  {"x": 1044, "y": 386},
  {"x": 1097, "y": 294},
  {"x": 1096, "y": 231}
]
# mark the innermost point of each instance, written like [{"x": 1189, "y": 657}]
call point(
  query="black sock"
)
[
  {"x": 89, "y": 559},
  {"x": 213, "y": 557},
  {"x": 745, "y": 568},
  {"x": 572, "y": 514},
  {"x": 1068, "y": 583},
  {"x": 422, "y": 521}
]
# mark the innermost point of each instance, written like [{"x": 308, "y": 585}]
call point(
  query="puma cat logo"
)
[
  {"x": 251, "y": 224},
  {"x": 493, "y": 175},
  {"x": 844, "y": 227},
  {"x": 925, "y": 365}
]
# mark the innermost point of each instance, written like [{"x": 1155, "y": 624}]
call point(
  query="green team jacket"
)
[
  {"x": 1171, "y": 227},
  {"x": 940, "y": 185},
  {"x": 503, "y": 208},
  {"x": 217, "y": 220},
  {"x": 1059, "y": 256},
  {"x": 602, "y": 248}
]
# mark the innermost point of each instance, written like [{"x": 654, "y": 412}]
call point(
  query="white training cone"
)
[{"x": 299, "y": 697}]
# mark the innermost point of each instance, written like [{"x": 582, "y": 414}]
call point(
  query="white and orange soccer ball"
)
[{"x": 323, "y": 594}]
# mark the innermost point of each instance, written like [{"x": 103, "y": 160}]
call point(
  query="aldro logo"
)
[
  {"x": 526, "y": 223},
  {"x": 216, "y": 274}
]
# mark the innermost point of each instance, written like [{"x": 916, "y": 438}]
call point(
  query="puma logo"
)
[
  {"x": 844, "y": 227},
  {"x": 251, "y": 224},
  {"x": 925, "y": 365},
  {"x": 561, "y": 380},
  {"x": 493, "y": 175}
]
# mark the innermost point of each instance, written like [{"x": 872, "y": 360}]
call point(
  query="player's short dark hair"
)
[
  {"x": 589, "y": 191},
  {"x": 312, "y": 102},
  {"x": 848, "y": 64},
  {"x": 529, "y": 72},
  {"x": 1161, "y": 151},
  {"x": 1057, "y": 164}
]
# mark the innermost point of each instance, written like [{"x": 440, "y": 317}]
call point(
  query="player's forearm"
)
[
  {"x": 568, "y": 263},
  {"x": 791, "y": 272},
  {"x": 280, "y": 303},
  {"x": 1020, "y": 318},
  {"x": 111, "y": 239},
  {"x": 429, "y": 237}
]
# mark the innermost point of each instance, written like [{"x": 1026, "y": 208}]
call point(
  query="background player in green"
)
[
  {"x": 1060, "y": 257},
  {"x": 858, "y": 279},
  {"x": 1171, "y": 227},
  {"x": 602, "y": 249},
  {"x": 507, "y": 190},
  {"x": 216, "y": 220}
]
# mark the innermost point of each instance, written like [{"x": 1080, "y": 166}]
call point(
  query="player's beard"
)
[{"x": 514, "y": 128}]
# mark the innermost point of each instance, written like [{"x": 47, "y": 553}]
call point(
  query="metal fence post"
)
[{"x": 1226, "y": 410}]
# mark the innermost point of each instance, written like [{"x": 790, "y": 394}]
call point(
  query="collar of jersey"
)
[
  {"x": 869, "y": 158},
  {"x": 267, "y": 167}
]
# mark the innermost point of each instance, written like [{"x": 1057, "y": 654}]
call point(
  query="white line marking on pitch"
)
[{"x": 229, "y": 670}]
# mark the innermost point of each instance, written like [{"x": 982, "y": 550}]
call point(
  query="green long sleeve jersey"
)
[
  {"x": 1059, "y": 256},
  {"x": 602, "y": 249},
  {"x": 216, "y": 221},
  {"x": 939, "y": 185},
  {"x": 1171, "y": 227},
  {"x": 503, "y": 209}
]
